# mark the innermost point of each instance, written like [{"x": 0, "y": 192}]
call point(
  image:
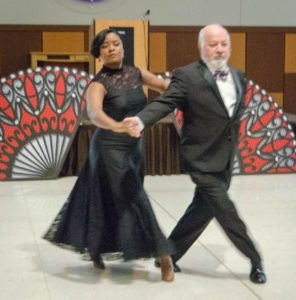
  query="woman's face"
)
[{"x": 111, "y": 51}]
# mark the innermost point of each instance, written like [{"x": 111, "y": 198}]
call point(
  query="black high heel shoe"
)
[{"x": 99, "y": 264}]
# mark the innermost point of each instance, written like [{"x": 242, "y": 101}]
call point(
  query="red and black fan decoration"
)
[
  {"x": 40, "y": 111},
  {"x": 267, "y": 142}
]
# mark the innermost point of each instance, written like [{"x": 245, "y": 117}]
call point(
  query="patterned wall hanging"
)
[
  {"x": 266, "y": 142},
  {"x": 40, "y": 111}
]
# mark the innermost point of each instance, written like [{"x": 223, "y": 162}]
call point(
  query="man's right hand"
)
[{"x": 134, "y": 126}]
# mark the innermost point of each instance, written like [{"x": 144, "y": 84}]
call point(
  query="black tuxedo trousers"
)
[{"x": 210, "y": 201}]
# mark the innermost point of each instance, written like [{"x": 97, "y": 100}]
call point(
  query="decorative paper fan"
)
[
  {"x": 39, "y": 115},
  {"x": 266, "y": 142}
]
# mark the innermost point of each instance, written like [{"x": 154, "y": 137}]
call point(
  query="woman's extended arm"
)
[{"x": 154, "y": 82}]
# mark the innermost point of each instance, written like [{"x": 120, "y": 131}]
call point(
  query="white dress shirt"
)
[{"x": 227, "y": 91}]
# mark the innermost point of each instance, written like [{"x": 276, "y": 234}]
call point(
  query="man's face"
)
[{"x": 216, "y": 48}]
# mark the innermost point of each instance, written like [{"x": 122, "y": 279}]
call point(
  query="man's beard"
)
[{"x": 216, "y": 64}]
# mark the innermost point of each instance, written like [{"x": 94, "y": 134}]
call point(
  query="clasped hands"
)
[{"x": 131, "y": 126}]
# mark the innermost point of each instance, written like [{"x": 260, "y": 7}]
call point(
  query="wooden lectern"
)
[
  {"x": 80, "y": 60},
  {"x": 134, "y": 34}
]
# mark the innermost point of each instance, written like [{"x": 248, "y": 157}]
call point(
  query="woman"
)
[{"x": 108, "y": 210}]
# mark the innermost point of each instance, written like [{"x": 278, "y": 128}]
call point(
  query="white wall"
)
[{"x": 162, "y": 12}]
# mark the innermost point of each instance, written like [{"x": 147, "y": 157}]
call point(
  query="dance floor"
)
[{"x": 31, "y": 268}]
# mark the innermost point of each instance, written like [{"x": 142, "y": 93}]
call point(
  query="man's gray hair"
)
[{"x": 202, "y": 33}]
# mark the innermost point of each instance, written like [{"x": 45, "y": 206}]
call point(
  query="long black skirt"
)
[{"x": 108, "y": 212}]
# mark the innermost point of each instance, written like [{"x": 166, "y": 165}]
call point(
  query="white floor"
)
[{"x": 31, "y": 268}]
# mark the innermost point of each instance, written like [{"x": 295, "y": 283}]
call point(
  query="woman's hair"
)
[{"x": 99, "y": 40}]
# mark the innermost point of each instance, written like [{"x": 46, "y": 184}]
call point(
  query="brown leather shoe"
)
[
  {"x": 167, "y": 269},
  {"x": 99, "y": 264},
  {"x": 177, "y": 269}
]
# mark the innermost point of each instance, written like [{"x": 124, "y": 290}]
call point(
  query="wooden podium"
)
[
  {"x": 79, "y": 60},
  {"x": 134, "y": 34}
]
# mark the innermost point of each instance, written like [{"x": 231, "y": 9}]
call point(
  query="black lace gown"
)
[{"x": 108, "y": 211}]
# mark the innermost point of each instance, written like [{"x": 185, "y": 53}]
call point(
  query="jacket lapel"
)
[
  {"x": 239, "y": 89},
  {"x": 207, "y": 75}
]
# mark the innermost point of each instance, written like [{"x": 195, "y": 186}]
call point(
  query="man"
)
[{"x": 210, "y": 93}]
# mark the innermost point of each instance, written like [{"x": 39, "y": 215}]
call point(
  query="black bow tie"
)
[{"x": 220, "y": 75}]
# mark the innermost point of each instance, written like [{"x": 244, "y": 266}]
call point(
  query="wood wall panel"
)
[
  {"x": 265, "y": 59},
  {"x": 157, "y": 52},
  {"x": 63, "y": 42},
  {"x": 290, "y": 53},
  {"x": 15, "y": 49},
  {"x": 278, "y": 97},
  {"x": 181, "y": 49},
  {"x": 17, "y": 41},
  {"x": 290, "y": 93},
  {"x": 238, "y": 52}
]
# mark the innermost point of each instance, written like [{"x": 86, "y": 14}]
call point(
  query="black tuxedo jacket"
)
[{"x": 209, "y": 135}]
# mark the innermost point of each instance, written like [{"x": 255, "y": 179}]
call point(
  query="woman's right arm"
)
[{"x": 95, "y": 97}]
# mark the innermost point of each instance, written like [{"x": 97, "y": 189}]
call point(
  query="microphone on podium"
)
[{"x": 146, "y": 14}]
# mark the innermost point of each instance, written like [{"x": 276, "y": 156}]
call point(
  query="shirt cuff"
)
[{"x": 140, "y": 123}]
